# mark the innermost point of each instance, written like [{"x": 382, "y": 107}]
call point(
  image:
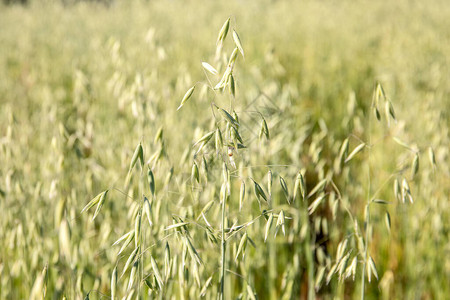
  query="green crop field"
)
[{"x": 225, "y": 150}]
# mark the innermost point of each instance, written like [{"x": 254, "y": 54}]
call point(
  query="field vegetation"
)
[{"x": 230, "y": 150}]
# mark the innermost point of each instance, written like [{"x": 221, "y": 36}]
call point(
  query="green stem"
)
[
  {"x": 272, "y": 262},
  {"x": 141, "y": 263},
  {"x": 366, "y": 246},
  {"x": 223, "y": 250},
  {"x": 309, "y": 257},
  {"x": 367, "y": 220}
]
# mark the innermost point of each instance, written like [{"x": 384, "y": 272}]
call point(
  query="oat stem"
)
[{"x": 223, "y": 254}]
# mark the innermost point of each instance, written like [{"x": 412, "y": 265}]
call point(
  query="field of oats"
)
[{"x": 234, "y": 150}]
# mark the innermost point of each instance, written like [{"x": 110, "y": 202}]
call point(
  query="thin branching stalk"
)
[
  {"x": 223, "y": 252},
  {"x": 367, "y": 215}
]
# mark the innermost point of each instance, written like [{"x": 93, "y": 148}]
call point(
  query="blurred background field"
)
[{"x": 82, "y": 83}]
